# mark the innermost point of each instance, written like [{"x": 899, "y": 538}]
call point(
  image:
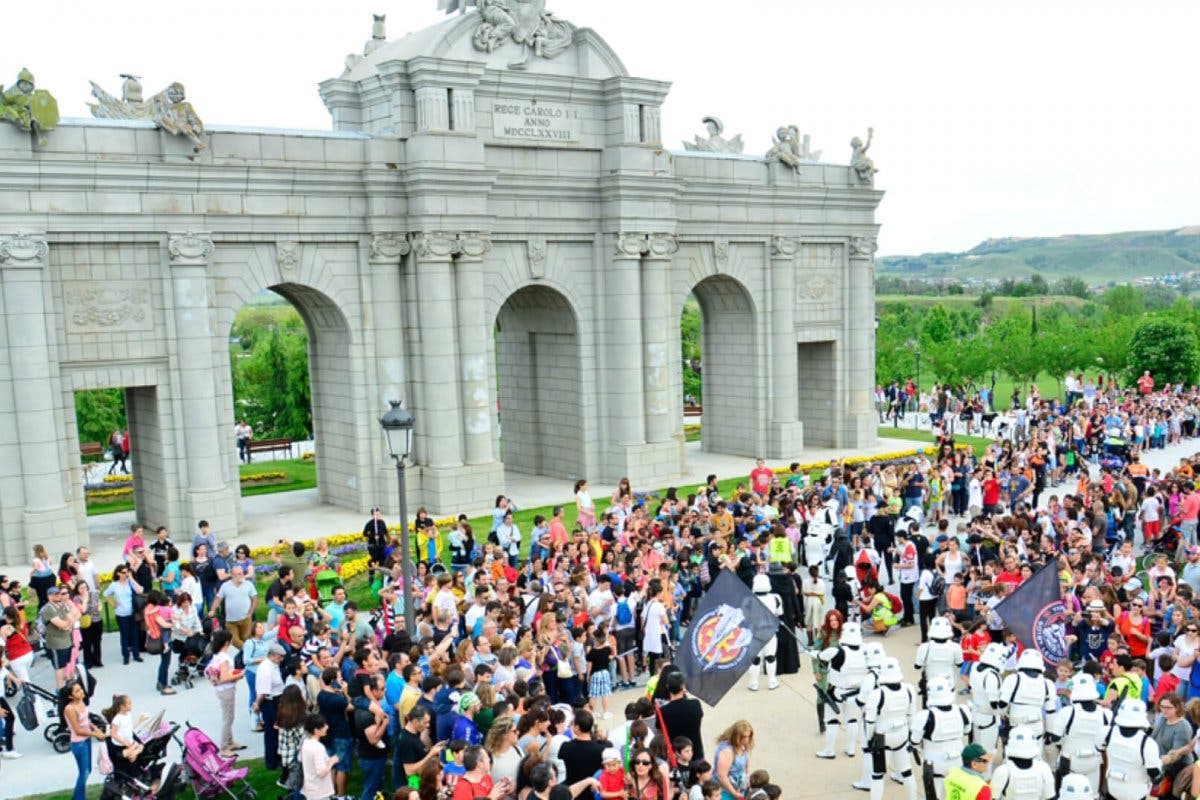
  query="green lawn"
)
[
  {"x": 300, "y": 475},
  {"x": 908, "y": 434}
]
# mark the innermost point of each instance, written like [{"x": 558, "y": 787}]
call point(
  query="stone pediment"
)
[{"x": 588, "y": 55}]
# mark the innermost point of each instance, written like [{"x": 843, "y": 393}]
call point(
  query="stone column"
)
[
  {"x": 440, "y": 420},
  {"x": 859, "y": 351},
  {"x": 384, "y": 255},
  {"x": 623, "y": 383},
  {"x": 189, "y": 255},
  {"x": 46, "y": 515},
  {"x": 786, "y": 437},
  {"x": 473, "y": 337},
  {"x": 656, "y": 336}
]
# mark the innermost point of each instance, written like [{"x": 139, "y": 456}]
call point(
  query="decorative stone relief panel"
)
[
  {"x": 287, "y": 253},
  {"x": 107, "y": 306},
  {"x": 819, "y": 281}
]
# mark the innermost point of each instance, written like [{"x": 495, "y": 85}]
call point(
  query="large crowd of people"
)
[{"x": 507, "y": 686}]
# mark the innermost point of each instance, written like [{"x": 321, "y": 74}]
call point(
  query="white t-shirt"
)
[
  {"x": 122, "y": 724},
  {"x": 601, "y": 605},
  {"x": 1150, "y": 509},
  {"x": 975, "y": 493},
  {"x": 314, "y": 760},
  {"x": 1182, "y": 648},
  {"x": 909, "y": 553},
  {"x": 653, "y": 629}
]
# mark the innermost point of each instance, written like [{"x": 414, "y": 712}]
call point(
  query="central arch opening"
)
[
  {"x": 720, "y": 371},
  {"x": 540, "y": 425}
]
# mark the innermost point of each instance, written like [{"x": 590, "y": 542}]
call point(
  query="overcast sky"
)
[{"x": 991, "y": 119}]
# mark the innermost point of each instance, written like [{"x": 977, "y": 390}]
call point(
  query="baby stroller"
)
[
  {"x": 326, "y": 581},
  {"x": 1168, "y": 541},
  {"x": 209, "y": 773},
  {"x": 143, "y": 779},
  {"x": 56, "y": 731},
  {"x": 190, "y": 652}
]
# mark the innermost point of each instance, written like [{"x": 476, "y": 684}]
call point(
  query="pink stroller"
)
[{"x": 209, "y": 773}]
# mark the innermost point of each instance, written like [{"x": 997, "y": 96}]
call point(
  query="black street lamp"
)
[{"x": 397, "y": 424}]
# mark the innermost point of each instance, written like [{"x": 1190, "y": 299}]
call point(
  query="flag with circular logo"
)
[
  {"x": 728, "y": 629},
  {"x": 1035, "y": 612}
]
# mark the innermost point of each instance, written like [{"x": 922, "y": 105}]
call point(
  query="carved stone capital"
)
[
  {"x": 189, "y": 249},
  {"x": 784, "y": 246},
  {"x": 473, "y": 245},
  {"x": 287, "y": 255},
  {"x": 662, "y": 245},
  {"x": 632, "y": 244},
  {"x": 863, "y": 246},
  {"x": 388, "y": 248},
  {"x": 24, "y": 250},
  {"x": 434, "y": 245}
]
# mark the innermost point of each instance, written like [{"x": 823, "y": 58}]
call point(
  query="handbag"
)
[
  {"x": 563, "y": 670},
  {"x": 295, "y": 776},
  {"x": 85, "y": 621},
  {"x": 154, "y": 645},
  {"x": 27, "y": 712},
  {"x": 104, "y": 763}
]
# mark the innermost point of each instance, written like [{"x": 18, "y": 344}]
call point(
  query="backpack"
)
[
  {"x": 624, "y": 613},
  {"x": 493, "y": 538},
  {"x": 896, "y": 603},
  {"x": 937, "y": 586}
]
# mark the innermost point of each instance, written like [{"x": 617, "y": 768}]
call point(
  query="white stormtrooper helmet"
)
[
  {"x": 831, "y": 505},
  {"x": 993, "y": 655},
  {"x": 889, "y": 672},
  {"x": 1031, "y": 660},
  {"x": 1131, "y": 714},
  {"x": 913, "y": 513},
  {"x": 1083, "y": 689},
  {"x": 1023, "y": 743},
  {"x": 852, "y": 634},
  {"x": 873, "y": 654},
  {"x": 1076, "y": 787},
  {"x": 941, "y": 692},
  {"x": 940, "y": 630},
  {"x": 850, "y": 573},
  {"x": 761, "y": 584}
]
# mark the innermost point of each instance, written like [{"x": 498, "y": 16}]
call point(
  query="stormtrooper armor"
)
[
  {"x": 1134, "y": 760},
  {"x": 847, "y": 668},
  {"x": 762, "y": 590},
  {"x": 873, "y": 654},
  {"x": 1076, "y": 787},
  {"x": 818, "y": 537},
  {"x": 941, "y": 656},
  {"x": 1027, "y": 694},
  {"x": 1025, "y": 775},
  {"x": 888, "y": 715},
  {"x": 1081, "y": 728},
  {"x": 940, "y": 731},
  {"x": 985, "y": 696}
]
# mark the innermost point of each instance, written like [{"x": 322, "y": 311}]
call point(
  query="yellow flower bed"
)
[
  {"x": 309, "y": 456},
  {"x": 98, "y": 493},
  {"x": 691, "y": 428},
  {"x": 851, "y": 461},
  {"x": 118, "y": 478},
  {"x": 125, "y": 491},
  {"x": 263, "y": 476}
]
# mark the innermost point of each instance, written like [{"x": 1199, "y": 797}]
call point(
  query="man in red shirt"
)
[
  {"x": 760, "y": 478},
  {"x": 1145, "y": 383},
  {"x": 1011, "y": 574},
  {"x": 991, "y": 494}
]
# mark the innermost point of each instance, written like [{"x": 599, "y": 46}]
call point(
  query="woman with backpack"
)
[{"x": 931, "y": 584}]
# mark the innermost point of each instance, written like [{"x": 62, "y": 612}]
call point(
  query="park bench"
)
[
  {"x": 271, "y": 446},
  {"x": 87, "y": 449},
  {"x": 693, "y": 411}
]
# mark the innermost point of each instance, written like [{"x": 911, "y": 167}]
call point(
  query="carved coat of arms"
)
[{"x": 526, "y": 22}]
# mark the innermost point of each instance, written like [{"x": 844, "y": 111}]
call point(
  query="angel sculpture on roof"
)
[{"x": 169, "y": 109}]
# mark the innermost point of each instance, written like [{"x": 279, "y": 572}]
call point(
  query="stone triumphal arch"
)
[{"x": 493, "y": 222}]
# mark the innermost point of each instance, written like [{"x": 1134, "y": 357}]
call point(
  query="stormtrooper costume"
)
[
  {"x": 1134, "y": 760},
  {"x": 873, "y": 654},
  {"x": 940, "y": 731},
  {"x": 1076, "y": 787},
  {"x": 847, "y": 668},
  {"x": 888, "y": 716},
  {"x": 1028, "y": 696},
  {"x": 985, "y": 696},
  {"x": 818, "y": 537},
  {"x": 940, "y": 657},
  {"x": 1025, "y": 775},
  {"x": 1081, "y": 728},
  {"x": 762, "y": 590}
]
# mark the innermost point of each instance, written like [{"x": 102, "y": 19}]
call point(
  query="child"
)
[
  {"x": 707, "y": 790},
  {"x": 1012, "y": 648},
  {"x": 956, "y": 601},
  {"x": 612, "y": 775},
  {"x": 1166, "y": 681},
  {"x": 1139, "y": 673},
  {"x": 681, "y": 773},
  {"x": 600, "y": 680},
  {"x": 1062, "y": 682},
  {"x": 973, "y": 642},
  {"x": 758, "y": 783}
]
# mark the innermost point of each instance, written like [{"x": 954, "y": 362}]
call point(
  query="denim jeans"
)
[
  {"x": 82, "y": 751},
  {"x": 372, "y": 771},
  {"x": 164, "y": 661},
  {"x": 128, "y": 628}
]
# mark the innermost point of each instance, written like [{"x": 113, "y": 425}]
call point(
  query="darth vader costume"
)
[{"x": 787, "y": 652}]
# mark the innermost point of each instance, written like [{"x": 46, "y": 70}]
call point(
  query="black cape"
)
[{"x": 787, "y": 652}]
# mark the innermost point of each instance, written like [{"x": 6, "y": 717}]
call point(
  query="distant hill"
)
[{"x": 1096, "y": 259}]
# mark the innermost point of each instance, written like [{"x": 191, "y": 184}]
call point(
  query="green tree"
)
[
  {"x": 690, "y": 329},
  {"x": 271, "y": 388},
  {"x": 99, "y": 412},
  {"x": 1166, "y": 347},
  {"x": 1124, "y": 301},
  {"x": 1075, "y": 287}
]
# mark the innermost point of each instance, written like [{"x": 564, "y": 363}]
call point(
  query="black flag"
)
[
  {"x": 728, "y": 629},
  {"x": 1036, "y": 613}
]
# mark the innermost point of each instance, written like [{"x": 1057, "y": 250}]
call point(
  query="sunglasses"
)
[{"x": 641, "y": 762}]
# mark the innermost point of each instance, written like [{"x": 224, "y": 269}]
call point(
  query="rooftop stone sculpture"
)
[
  {"x": 168, "y": 109},
  {"x": 28, "y": 108},
  {"x": 715, "y": 142},
  {"x": 526, "y": 22},
  {"x": 864, "y": 167},
  {"x": 790, "y": 148}
]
